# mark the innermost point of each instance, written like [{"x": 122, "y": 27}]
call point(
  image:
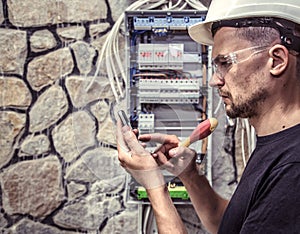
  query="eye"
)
[{"x": 223, "y": 61}]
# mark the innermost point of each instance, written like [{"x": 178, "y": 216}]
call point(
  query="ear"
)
[{"x": 279, "y": 55}]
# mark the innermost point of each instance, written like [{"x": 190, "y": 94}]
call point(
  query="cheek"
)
[
  {"x": 242, "y": 86},
  {"x": 249, "y": 78},
  {"x": 237, "y": 84}
]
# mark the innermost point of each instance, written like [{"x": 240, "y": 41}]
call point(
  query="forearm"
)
[
  {"x": 208, "y": 204},
  {"x": 166, "y": 215}
]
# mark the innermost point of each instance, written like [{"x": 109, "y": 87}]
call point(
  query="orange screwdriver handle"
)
[{"x": 203, "y": 130}]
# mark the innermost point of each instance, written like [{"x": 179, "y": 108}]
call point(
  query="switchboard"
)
[{"x": 167, "y": 85}]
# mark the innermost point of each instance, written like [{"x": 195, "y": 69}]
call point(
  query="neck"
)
[
  {"x": 279, "y": 122},
  {"x": 284, "y": 112}
]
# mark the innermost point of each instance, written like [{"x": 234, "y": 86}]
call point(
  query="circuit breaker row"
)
[
  {"x": 160, "y": 56},
  {"x": 169, "y": 90}
]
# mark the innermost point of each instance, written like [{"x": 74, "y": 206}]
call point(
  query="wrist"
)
[
  {"x": 158, "y": 194},
  {"x": 159, "y": 189},
  {"x": 149, "y": 179},
  {"x": 186, "y": 176}
]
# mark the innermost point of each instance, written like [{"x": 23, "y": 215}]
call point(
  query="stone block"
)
[
  {"x": 13, "y": 50},
  {"x": 32, "y": 187}
]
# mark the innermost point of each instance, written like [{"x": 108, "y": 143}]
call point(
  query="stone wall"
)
[
  {"x": 58, "y": 160},
  {"x": 59, "y": 171}
]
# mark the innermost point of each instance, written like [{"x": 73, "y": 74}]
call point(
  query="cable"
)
[
  {"x": 183, "y": 6},
  {"x": 196, "y": 5},
  {"x": 156, "y": 75},
  {"x": 243, "y": 143},
  {"x": 219, "y": 105},
  {"x": 249, "y": 131},
  {"x": 176, "y": 5},
  {"x": 146, "y": 219}
]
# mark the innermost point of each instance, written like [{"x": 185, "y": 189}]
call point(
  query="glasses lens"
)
[{"x": 221, "y": 64}]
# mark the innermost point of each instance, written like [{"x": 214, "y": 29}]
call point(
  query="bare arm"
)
[
  {"x": 166, "y": 215},
  {"x": 208, "y": 204}
]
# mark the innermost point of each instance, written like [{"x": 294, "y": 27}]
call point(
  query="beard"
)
[{"x": 246, "y": 107}]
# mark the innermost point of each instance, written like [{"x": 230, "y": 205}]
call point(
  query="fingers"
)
[
  {"x": 160, "y": 138},
  {"x": 145, "y": 137},
  {"x": 136, "y": 132},
  {"x": 123, "y": 165},
  {"x": 121, "y": 145},
  {"x": 182, "y": 153},
  {"x": 132, "y": 142},
  {"x": 127, "y": 140},
  {"x": 143, "y": 144},
  {"x": 144, "y": 169},
  {"x": 179, "y": 159},
  {"x": 160, "y": 158}
]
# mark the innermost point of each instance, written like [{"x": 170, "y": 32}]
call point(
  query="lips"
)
[{"x": 224, "y": 94}]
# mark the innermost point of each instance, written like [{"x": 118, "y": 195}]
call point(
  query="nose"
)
[{"x": 216, "y": 80}]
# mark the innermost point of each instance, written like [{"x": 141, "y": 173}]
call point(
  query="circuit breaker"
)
[{"x": 166, "y": 88}]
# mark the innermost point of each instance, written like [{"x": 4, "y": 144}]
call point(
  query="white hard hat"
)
[{"x": 237, "y": 9}]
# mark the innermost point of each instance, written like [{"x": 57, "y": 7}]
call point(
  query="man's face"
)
[{"x": 243, "y": 83}]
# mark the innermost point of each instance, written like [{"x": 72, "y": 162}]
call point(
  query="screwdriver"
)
[{"x": 203, "y": 130}]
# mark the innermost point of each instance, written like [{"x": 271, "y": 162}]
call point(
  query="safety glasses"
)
[{"x": 221, "y": 64}]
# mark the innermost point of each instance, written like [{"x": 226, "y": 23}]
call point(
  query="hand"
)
[
  {"x": 136, "y": 160},
  {"x": 180, "y": 161}
]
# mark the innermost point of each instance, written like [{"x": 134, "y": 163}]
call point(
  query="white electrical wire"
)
[
  {"x": 253, "y": 137},
  {"x": 196, "y": 4},
  {"x": 183, "y": 6},
  {"x": 243, "y": 143},
  {"x": 247, "y": 129},
  {"x": 156, "y": 5},
  {"x": 218, "y": 106},
  {"x": 110, "y": 52},
  {"x": 146, "y": 218}
]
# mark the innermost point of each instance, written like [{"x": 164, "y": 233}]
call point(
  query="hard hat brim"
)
[{"x": 201, "y": 33}]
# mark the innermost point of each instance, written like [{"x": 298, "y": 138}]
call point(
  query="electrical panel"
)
[{"x": 166, "y": 88}]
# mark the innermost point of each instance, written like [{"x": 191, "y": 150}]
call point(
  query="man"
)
[{"x": 256, "y": 45}]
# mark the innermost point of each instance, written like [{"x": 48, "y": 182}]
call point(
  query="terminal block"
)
[
  {"x": 176, "y": 191},
  {"x": 170, "y": 21},
  {"x": 146, "y": 123}
]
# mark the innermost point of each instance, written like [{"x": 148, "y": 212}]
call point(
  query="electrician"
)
[{"x": 256, "y": 64}]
